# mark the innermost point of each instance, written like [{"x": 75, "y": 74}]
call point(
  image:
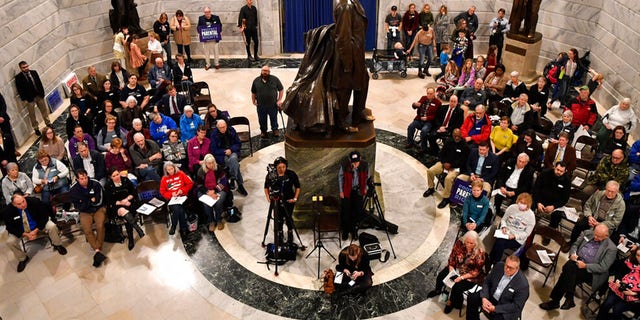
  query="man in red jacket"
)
[
  {"x": 352, "y": 179},
  {"x": 476, "y": 127},
  {"x": 584, "y": 109},
  {"x": 426, "y": 110}
]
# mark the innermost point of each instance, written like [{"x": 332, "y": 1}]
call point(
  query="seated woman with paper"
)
[
  {"x": 354, "y": 273},
  {"x": 515, "y": 227},
  {"x": 464, "y": 271},
  {"x": 212, "y": 191},
  {"x": 122, "y": 202},
  {"x": 174, "y": 187}
]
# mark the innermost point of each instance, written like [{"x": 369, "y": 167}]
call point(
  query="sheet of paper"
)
[
  {"x": 499, "y": 235},
  {"x": 571, "y": 213},
  {"x": 156, "y": 202},
  {"x": 338, "y": 278},
  {"x": 177, "y": 200},
  {"x": 577, "y": 181},
  {"x": 544, "y": 256},
  {"x": 623, "y": 247},
  {"x": 447, "y": 280},
  {"x": 206, "y": 199},
  {"x": 146, "y": 209}
]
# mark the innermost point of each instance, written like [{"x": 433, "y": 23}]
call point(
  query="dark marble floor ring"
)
[{"x": 401, "y": 293}]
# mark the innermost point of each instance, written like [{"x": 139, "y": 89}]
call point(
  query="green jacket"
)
[
  {"x": 614, "y": 214},
  {"x": 606, "y": 171}
]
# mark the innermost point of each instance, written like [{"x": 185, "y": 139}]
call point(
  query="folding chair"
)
[
  {"x": 147, "y": 190},
  {"x": 200, "y": 96},
  {"x": 532, "y": 253},
  {"x": 244, "y": 136}
]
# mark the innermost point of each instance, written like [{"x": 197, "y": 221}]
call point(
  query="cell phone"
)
[{"x": 453, "y": 277}]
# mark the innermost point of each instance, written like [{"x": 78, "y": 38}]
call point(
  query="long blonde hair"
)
[{"x": 208, "y": 158}]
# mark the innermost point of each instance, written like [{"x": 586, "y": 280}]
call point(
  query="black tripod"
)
[
  {"x": 318, "y": 245},
  {"x": 278, "y": 211},
  {"x": 371, "y": 205}
]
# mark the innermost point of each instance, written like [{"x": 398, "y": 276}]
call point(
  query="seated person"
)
[
  {"x": 584, "y": 109},
  {"x": 27, "y": 217},
  {"x": 86, "y": 196},
  {"x": 76, "y": 118},
  {"x": 225, "y": 147},
  {"x": 353, "y": 262},
  {"x": 426, "y": 110},
  {"x": 100, "y": 120},
  {"x": 473, "y": 96},
  {"x": 501, "y": 301},
  {"x": 135, "y": 90},
  {"x": 618, "y": 115},
  {"x": 80, "y": 136},
  {"x": 552, "y": 189},
  {"x": 122, "y": 203},
  {"x": 92, "y": 162},
  {"x": 522, "y": 115},
  {"x": 529, "y": 144},
  {"x": 173, "y": 150},
  {"x": 475, "y": 208},
  {"x": 172, "y": 104},
  {"x": 634, "y": 159},
  {"x": 212, "y": 117},
  {"x": 108, "y": 133},
  {"x": 453, "y": 159},
  {"x": 118, "y": 157},
  {"x": 589, "y": 259},
  {"x": 197, "y": 148},
  {"x": 476, "y": 127},
  {"x": 495, "y": 84},
  {"x": 563, "y": 125},
  {"x": 130, "y": 112},
  {"x": 16, "y": 181},
  {"x": 176, "y": 183},
  {"x": 514, "y": 87},
  {"x": 481, "y": 165},
  {"x": 146, "y": 158},
  {"x": 52, "y": 144},
  {"x": 560, "y": 151},
  {"x": 517, "y": 224},
  {"x": 467, "y": 75},
  {"x": 539, "y": 94},
  {"x": 159, "y": 78},
  {"x": 212, "y": 182},
  {"x": 189, "y": 124},
  {"x": 50, "y": 176},
  {"x": 448, "y": 118},
  {"x": 513, "y": 180},
  {"x": 467, "y": 259},
  {"x": 448, "y": 80},
  {"x": 182, "y": 75},
  {"x": 160, "y": 126},
  {"x": 137, "y": 126},
  {"x": 623, "y": 293},
  {"x": 501, "y": 139},
  {"x": 611, "y": 167},
  {"x": 617, "y": 140}
]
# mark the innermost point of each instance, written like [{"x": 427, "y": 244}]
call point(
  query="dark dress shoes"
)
[
  {"x": 23, "y": 264},
  {"x": 568, "y": 304},
  {"x": 448, "y": 309},
  {"x": 443, "y": 203},
  {"x": 429, "y": 192},
  {"x": 433, "y": 293},
  {"x": 61, "y": 250},
  {"x": 98, "y": 259},
  {"x": 549, "y": 305}
]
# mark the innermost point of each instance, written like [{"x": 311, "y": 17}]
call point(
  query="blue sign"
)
[
  {"x": 460, "y": 191},
  {"x": 212, "y": 33},
  {"x": 54, "y": 100}
]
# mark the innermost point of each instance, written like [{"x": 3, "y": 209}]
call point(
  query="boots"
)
[
  {"x": 131, "y": 243},
  {"x": 426, "y": 68},
  {"x": 420, "y": 74},
  {"x": 132, "y": 221}
]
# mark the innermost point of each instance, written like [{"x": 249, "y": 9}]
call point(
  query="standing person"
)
[
  {"x": 288, "y": 185},
  {"x": 352, "y": 182},
  {"x": 472, "y": 26},
  {"x": 425, "y": 16},
  {"x": 267, "y": 93},
  {"x": 499, "y": 26},
  {"x": 248, "y": 24},
  {"x": 410, "y": 26},
  {"x": 162, "y": 28},
  {"x": 119, "y": 43},
  {"x": 137, "y": 59},
  {"x": 31, "y": 92},
  {"x": 180, "y": 25},
  {"x": 567, "y": 71},
  {"x": 441, "y": 26},
  {"x": 392, "y": 25},
  {"x": 504, "y": 292},
  {"x": 205, "y": 21},
  {"x": 26, "y": 217},
  {"x": 92, "y": 83},
  {"x": 86, "y": 196},
  {"x": 426, "y": 41}
]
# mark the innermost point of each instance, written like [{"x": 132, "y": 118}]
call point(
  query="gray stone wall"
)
[{"x": 60, "y": 36}]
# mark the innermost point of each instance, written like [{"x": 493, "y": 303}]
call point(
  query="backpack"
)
[{"x": 113, "y": 233}]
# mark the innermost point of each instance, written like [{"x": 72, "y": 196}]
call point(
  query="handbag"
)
[
  {"x": 37, "y": 188},
  {"x": 113, "y": 233}
]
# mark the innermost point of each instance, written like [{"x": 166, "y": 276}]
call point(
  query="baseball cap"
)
[
  {"x": 584, "y": 88},
  {"x": 354, "y": 156},
  {"x": 394, "y": 8}
]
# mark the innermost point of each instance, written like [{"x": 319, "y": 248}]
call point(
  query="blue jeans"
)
[
  {"x": 178, "y": 215},
  {"x": 408, "y": 40},
  {"x": 233, "y": 164},
  {"x": 47, "y": 193},
  {"x": 272, "y": 112},
  {"x": 424, "y": 127},
  {"x": 167, "y": 49},
  {"x": 214, "y": 214},
  {"x": 423, "y": 51},
  {"x": 148, "y": 173}
]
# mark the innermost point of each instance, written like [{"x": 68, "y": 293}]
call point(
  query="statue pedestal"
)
[
  {"x": 521, "y": 54},
  {"x": 316, "y": 159}
]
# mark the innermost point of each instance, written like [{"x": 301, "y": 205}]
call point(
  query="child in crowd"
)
[
  {"x": 444, "y": 59},
  {"x": 491, "y": 59},
  {"x": 459, "y": 48}
]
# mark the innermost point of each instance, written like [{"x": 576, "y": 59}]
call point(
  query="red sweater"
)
[
  {"x": 428, "y": 108},
  {"x": 584, "y": 112},
  {"x": 469, "y": 129},
  {"x": 175, "y": 182}
]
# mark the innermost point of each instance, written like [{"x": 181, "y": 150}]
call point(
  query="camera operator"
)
[
  {"x": 352, "y": 180},
  {"x": 282, "y": 186}
]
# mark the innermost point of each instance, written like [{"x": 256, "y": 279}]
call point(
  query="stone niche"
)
[{"x": 317, "y": 159}]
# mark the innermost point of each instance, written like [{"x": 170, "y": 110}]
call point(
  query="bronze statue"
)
[
  {"x": 124, "y": 14},
  {"x": 526, "y": 10},
  {"x": 332, "y": 69}
]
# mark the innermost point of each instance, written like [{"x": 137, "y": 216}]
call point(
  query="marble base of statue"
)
[{"x": 521, "y": 54}]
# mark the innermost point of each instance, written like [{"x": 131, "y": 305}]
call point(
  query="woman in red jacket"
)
[{"x": 175, "y": 183}]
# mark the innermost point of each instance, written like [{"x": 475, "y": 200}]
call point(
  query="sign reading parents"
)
[{"x": 212, "y": 33}]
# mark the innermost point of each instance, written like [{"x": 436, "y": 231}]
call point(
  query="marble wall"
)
[{"x": 60, "y": 36}]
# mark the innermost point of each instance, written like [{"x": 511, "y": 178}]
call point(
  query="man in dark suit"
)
[
  {"x": 26, "y": 217},
  {"x": 31, "y": 92},
  {"x": 513, "y": 180},
  {"x": 172, "y": 104},
  {"x": 561, "y": 151},
  {"x": 181, "y": 72},
  {"x": 482, "y": 165},
  {"x": 91, "y": 161},
  {"x": 551, "y": 190},
  {"x": 93, "y": 81},
  {"x": 448, "y": 118},
  {"x": 589, "y": 261},
  {"x": 504, "y": 292}
]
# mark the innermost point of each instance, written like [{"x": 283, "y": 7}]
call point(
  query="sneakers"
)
[
  {"x": 232, "y": 184},
  {"x": 61, "y": 250},
  {"x": 23, "y": 264},
  {"x": 429, "y": 192},
  {"x": 443, "y": 203},
  {"x": 206, "y": 67},
  {"x": 242, "y": 190},
  {"x": 98, "y": 259},
  {"x": 549, "y": 305}
]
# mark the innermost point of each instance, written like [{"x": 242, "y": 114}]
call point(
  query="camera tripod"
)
[
  {"x": 319, "y": 246},
  {"x": 371, "y": 206},
  {"x": 277, "y": 210}
]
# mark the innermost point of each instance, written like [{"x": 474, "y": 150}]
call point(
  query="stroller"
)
[{"x": 384, "y": 60}]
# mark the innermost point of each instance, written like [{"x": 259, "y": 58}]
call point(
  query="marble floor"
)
[{"x": 219, "y": 277}]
